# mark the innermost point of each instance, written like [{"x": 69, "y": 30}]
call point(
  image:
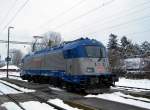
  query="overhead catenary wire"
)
[
  {"x": 8, "y": 12},
  {"x": 62, "y": 13},
  {"x": 84, "y": 14},
  {"x": 19, "y": 10},
  {"x": 20, "y": 42},
  {"x": 121, "y": 24},
  {"x": 134, "y": 33},
  {"x": 31, "y": 43},
  {"x": 114, "y": 18},
  {"x": 117, "y": 26}
]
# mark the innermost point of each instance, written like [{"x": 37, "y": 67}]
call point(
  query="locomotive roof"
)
[
  {"x": 70, "y": 45},
  {"x": 82, "y": 41}
]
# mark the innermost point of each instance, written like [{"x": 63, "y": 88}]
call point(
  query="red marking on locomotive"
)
[
  {"x": 37, "y": 62},
  {"x": 101, "y": 68}
]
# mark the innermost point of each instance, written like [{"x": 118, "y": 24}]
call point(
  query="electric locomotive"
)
[{"x": 81, "y": 64}]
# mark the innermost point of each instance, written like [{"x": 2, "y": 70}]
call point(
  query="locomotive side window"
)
[
  {"x": 69, "y": 53},
  {"x": 95, "y": 52}
]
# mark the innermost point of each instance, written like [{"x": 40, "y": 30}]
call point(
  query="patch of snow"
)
[
  {"x": 4, "y": 74},
  {"x": 35, "y": 105},
  {"x": 62, "y": 104},
  {"x": 140, "y": 83},
  {"x": 140, "y": 98},
  {"x": 10, "y": 67},
  {"x": 55, "y": 88},
  {"x": 30, "y": 105},
  {"x": 11, "y": 106},
  {"x": 132, "y": 89},
  {"x": 7, "y": 90},
  {"x": 119, "y": 97},
  {"x": 17, "y": 87}
]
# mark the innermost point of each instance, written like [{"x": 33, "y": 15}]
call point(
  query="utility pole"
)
[{"x": 8, "y": 59}]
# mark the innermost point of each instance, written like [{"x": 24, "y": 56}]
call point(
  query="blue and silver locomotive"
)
[{"x": 81, "y": 64}]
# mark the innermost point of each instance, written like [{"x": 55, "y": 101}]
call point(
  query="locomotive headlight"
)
[{"x": 90, "y": 70}]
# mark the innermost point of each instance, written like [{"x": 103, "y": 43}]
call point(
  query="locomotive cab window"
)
[{"x": 95, "y": 52}]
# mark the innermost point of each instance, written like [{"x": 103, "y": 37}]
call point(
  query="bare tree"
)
[
  {"x": 16, "y": 56},
  {"x": 52, "y": 38},
  {"x": 49, "y": 39}
]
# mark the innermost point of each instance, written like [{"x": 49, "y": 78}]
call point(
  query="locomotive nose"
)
[{"x": 96, "y": 66}]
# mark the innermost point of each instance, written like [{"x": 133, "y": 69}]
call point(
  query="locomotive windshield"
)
[{"x": 95, "y": 52}]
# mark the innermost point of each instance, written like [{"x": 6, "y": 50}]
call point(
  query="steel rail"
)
[
  {"x": 15, "y": 76},
  {"x": 13, "y": 100},
  {"x": 35, "y": 96},
  {"x": 132, "y": 87},
  {"x": 11, "y": 86},
  {"x": 135, "y": 99}
]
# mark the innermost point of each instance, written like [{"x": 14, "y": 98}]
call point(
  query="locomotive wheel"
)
[
  {"x": 29, "y": 79},
  {"x": 35, "y": 79},
  {"x": 69, "y": 87}
]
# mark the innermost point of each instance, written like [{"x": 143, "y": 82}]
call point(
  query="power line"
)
[
  {"x": 16, "y": 42},
  {"x": 134, "y": 33},
  {"x": 84, "y": 14},
  {"x": 6, "y": 15},
  {"x": 124, "y": 23},
  {"x": 15, "y": 14},
  {"x": 20, "y": 42},
  {"x": 63, "y": 13},
  {"x": 110, "y": 17}
]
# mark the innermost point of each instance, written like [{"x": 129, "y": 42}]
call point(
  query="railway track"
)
[
  {"x": 69, "y": 102},
  {"x": 135, "y": 99},
  {"x": 131, "y": 88},
  {"x": 15, "y": 76},
  {"x": 78, "y": 102},
  {"x": 13, "y": 100},
  {"x": 40, "y": 99}
]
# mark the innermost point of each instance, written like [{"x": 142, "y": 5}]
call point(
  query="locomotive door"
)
[{"x": 69, "y": 66}]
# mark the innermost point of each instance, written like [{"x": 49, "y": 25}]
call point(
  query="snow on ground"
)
[
  {"x": 31, "y": 105},
  {"x": 7, "y": 90},
  {"x": 4, "y": 74},
  {"x": 17, "y": 87},
  {"x": 132, "y": 89},
  {"x": 140, "y": 83},
  {"x": 11, "y": 106},
  {"x": 35, "y": 105},
  {"x": 10, "y": 67},
  {"x": 62, "y": 104},
  {"x": 119, "y": 97},
  {"x": 56, "y": 89}
]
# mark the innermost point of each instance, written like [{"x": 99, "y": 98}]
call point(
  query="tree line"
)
[{"x": 125, "y": 48}]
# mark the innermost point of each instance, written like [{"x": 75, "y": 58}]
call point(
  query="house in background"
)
[{"x": 137, "y": 65}]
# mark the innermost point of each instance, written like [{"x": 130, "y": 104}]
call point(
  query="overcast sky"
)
[{"x": 74, "y": 19}]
